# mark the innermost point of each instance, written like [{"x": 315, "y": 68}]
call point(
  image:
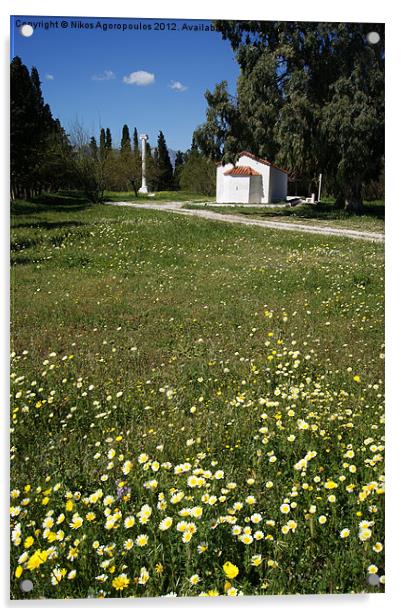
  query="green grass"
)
[
  {"x": 325, "y": 214},
  {"x": 201, "y": 343}
]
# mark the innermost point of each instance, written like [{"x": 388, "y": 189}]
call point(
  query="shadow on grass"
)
[
  {"x": 49, "y": 225},
  {"x": 322, "y": 211},
  {"x": 60, "y": 202},
  {"x": 21, "y": 260}
]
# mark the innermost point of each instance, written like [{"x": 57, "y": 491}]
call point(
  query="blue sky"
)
[{"x": 152, "y": 79}]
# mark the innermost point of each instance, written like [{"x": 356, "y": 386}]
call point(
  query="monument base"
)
[{"x": 143, "y": 190}]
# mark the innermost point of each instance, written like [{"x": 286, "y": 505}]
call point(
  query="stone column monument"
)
[{"x": 143, "y": 189}]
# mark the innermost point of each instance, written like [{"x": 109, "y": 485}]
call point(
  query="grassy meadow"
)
[{"x": 196, "y": 407}]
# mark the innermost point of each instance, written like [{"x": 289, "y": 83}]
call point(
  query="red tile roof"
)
[
  {"x": 259, "y": 160},
  {"x": 242, "y": 171}
]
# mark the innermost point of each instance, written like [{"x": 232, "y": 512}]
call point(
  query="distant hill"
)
[{"x": 171, "y": 153}]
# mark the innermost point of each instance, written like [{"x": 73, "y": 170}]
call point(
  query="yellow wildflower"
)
[{"x": 230, "y": 570}]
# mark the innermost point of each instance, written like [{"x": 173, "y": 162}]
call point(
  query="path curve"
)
[{"x": 177, "y": 207}]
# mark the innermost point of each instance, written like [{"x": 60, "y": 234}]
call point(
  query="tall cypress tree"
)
[
  {"x": 34, "y": 132},
  {"x": 93, "y": 148},
  {"x": 108, "y": 144},
  {"x": 163, "y": 163},
  {"x": 135, "y": 141},
  {"x": 136, "y": 159},
  {"x": 179, "y": 161},
  {"x": 42, "y": 109},
  {"x": 102, "y": 139},
  {"x": 23, "y": 128},
  {"x": 125, "y": 162},
  {"x": 125, "y": 141},
  {"x": 102, "y": 144}
]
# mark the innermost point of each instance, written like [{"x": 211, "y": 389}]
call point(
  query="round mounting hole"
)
[
  {"x": 26, "y": 585},
  {"x": 373, "y": 38},
  {"x": 373, "y": 579},
  {"x": 26, "y": 30}
]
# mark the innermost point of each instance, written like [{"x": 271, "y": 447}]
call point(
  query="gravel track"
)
[{"x": 177, "y": 207}]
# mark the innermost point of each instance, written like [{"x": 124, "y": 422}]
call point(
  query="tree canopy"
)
[
  {"x": 197, "y": 174},
  {"x": 310, "y": 96},
  {"x": 38, "y": 141}
]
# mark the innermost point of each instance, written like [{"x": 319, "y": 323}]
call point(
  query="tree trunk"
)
[
  {"x": 340, "y": 200},
  {"x": 354, "y": 203},
  {"x": 135, "y": 186}
]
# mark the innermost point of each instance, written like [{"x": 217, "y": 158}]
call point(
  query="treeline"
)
[
  {"x": 45, "y": 158},
  {"x": 120, "y": 169},
  {"x": 310, "y": 97},
  {"x": 39, "y": 145}
]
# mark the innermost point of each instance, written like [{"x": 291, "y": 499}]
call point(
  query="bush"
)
[{"x": 198, "y": 174}]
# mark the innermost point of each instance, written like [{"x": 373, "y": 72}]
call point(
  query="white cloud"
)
[
  {"x": 178, "y": 86},
  {"x": 105, "y": 76},
  {"x": 139, "y": 78},
  {"x": 49, "y": 77}
]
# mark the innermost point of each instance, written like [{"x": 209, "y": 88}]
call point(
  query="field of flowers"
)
[{"x": 196, "y": 408}]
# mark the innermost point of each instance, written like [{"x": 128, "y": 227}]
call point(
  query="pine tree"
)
[
  {"x": 222, "y": 135},
  {"x": 163, "y": 164}
]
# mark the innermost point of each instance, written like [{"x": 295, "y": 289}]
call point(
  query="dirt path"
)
[{"x": 178, "y": 207}]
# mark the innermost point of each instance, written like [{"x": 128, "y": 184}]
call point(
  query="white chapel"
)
[{"x": 250, "y": 180}]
